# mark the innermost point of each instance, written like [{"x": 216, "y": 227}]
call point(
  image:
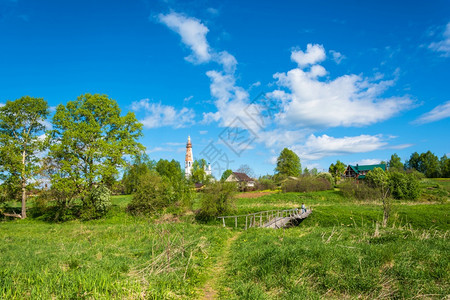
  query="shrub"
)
[
  {"x": 265, "y": 184},
  {"x": 97, "y": 203},
  {"x": 327, "y": 176},
  {"x": 306, "y": 184},
  {"x": 350, "y": 188},
  {"x": 155, "y": 192},
  {"x": 404, "y": 186},
  {"x": 217, "y": 199}
]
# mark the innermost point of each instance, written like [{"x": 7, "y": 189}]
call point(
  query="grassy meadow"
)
[{"x": 339, "y": 252}]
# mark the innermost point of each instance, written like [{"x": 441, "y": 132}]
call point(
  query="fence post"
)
[
  {"x": 246, "y": 222},
  {"x": 235, "y": 222},
  {"x": 223, "y": 220}
]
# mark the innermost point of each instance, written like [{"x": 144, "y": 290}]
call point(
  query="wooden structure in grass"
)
[{"x": 269, "y": 218}]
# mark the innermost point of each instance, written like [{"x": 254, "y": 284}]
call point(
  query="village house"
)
[
  {"x": 359, "y": 172},
  {"x": 242, "y": 179}
]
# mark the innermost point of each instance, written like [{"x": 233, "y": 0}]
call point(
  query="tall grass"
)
[
  {"x": 94, "y": 260},
  {"x": 339, "y": 251},
  {"x": 339, "y": 263}
]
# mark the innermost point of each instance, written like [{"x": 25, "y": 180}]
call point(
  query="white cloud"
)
[
  {"x": 187, "y": 99},
  {"x": 231, "y": 103},
  {"x": 443, "y": 46},
  {"x": 193, "y": 34},
  {"x": 438, "y": 113},
  {"x": 213, "y": 11},
  {"x": 255, "y": 84},
  {"x": 317, "y": 147},
  {"x": 159, "y": 115},
  {"x": 227, "y": 60},
  {"x": 337, "y": 56},
  {"x": 367, "y": 161},
  {"x": 349, "y": 100},
  {"x": 202, "y": 132},
  {"x": 2, "y": 104},
  {"x": 272, "y": 160},
  {"x": 47, "y": 124},
  {"x": 280, "y": 137},
  {"x": 158, "y": 149},
  {"x": 314, "y": 54},
  {"x": 401, "y": 146}
]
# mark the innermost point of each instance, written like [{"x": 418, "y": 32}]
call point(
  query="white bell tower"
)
[{"x": 189, "y": 159}]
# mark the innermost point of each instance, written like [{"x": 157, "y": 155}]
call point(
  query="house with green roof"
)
[{"x": 359, "y": 172}]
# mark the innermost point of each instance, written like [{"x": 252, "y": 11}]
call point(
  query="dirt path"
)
[{"x": 210, "y": 289}]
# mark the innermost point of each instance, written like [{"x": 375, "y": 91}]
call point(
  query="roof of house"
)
[
  {"x": 242, "y": 176},
  {"x": 360, "y": 168}
]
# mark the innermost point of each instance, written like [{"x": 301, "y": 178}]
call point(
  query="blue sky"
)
[{"x": 349, "y": 80}]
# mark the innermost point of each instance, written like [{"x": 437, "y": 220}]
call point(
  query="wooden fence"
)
[{"x": 266, "y": 218}]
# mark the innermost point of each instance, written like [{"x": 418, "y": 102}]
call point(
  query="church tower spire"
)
[{"x": 189, "y": 159}]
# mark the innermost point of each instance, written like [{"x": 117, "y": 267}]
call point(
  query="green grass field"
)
[{"x": 340, "y": 251}]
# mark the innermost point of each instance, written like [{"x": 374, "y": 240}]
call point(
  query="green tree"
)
[
  {"x": 403, "y": 185},
  {"x": 153, "y": 193},
  {"x": 170, "y": 169},
  {"x": 445, "y": 166},
  {"x": 141, "y": 165},
  {"x": 226, "y": 174},
  {"x": 413, "y": 162},
  {"x": 288, "y": 164},
  {"x": 306, "y": 171},
  {"x": 395, "y": 164},
  {"x": 217, "y": 199},
  {"x": 378, "y": 179},
  {"x": 429, "y": 165},
  {"x": 336, "y": 170},
  {"x": 198, "y": 171},
  {"x": 91, "y": 139},
  {"x": 21, "y": 124}
]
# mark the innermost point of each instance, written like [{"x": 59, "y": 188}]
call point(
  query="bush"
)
[
  {"x": 350, "y": 188},
  {"x": 155, "y": 192},
  {"x": 404, "y": 186},
  {"x": 217, "y": 199},
  {"x": 265, "y": 184},
  {"x": 327, "y": 176},
  {"x": 97, "y": 203},
  {"x": 306, "y": 184},
  {"x": 10, "y": 190}
]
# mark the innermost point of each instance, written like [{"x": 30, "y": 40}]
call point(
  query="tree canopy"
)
[
  {"x": 199, "y": 171},
  {"x": 141, "y": 165},
  {"x": 226, "y": 174},
  {"x": 288, "y": 163},
  {"x": 395, "y": 163},
  {"x": 90, "y": 141},
  {"x": 426, "y": 163},
  {"x": 21, "y": 140},
  {"x": 337, "y": 169},
  {"x": 170, "y": 169}
]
